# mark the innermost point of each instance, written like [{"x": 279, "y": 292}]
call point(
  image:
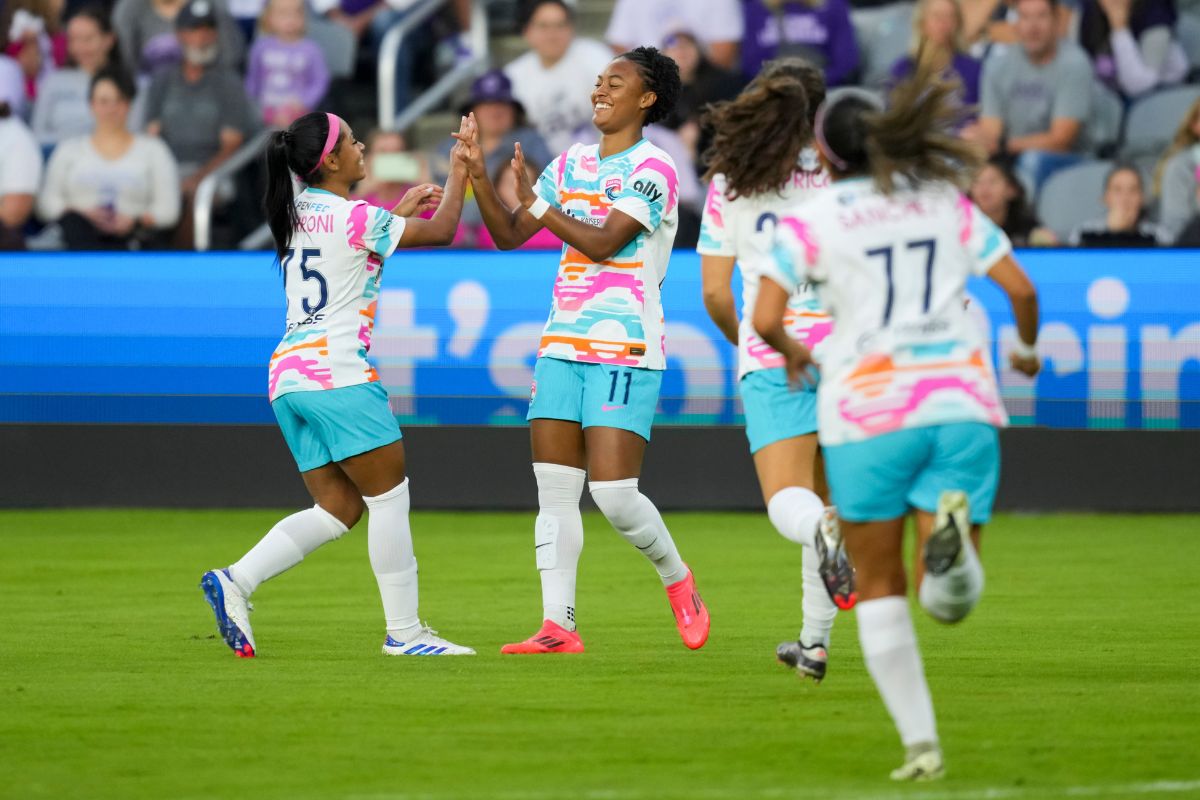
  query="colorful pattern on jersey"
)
[
  {"x": 893, "y": 271},
  {"x": 743, "y": 227},
  {"x": 331, "y": 276},
  {"x": 611, "y": 312}
]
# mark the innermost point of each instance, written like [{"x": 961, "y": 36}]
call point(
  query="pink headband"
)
[{"x": 335, "y": 128}]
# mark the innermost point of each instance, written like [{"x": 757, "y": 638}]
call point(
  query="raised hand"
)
[
  {"x": 525, "y": 191},
  {"x": 468, "y": 150},
  {"x": 1026, "y": 366},
  {"x": 418, "y": 200}
]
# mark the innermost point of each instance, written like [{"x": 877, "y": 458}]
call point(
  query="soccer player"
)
[
  {"x": 761, "y": 164},
  {"x": 908, "y": 406},
  {"x": 328, "y": 400},
  {"x": 602, "y": 355}
]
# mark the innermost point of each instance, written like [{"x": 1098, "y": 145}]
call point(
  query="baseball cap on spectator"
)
[
  {"x": 197, "y": 14},
  {"x": 492, "y": 86}
]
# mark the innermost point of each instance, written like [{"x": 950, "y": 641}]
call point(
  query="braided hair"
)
[{"x": 659, "y": 74}]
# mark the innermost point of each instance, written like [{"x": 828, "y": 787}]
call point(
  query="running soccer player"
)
[
  {"x": 908, "y": 406},
  {"x": 328, "y": 400},
  {"x": 761, "y": 164},
  {"x": 602, "y": 355}
]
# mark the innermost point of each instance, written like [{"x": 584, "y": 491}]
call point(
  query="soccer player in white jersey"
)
[
  {"x": 330, "y": 405},
  {"x": 908, "y": 407},
  {"x": 602, "y": 355},
  {"x": 761, "y": 164}
]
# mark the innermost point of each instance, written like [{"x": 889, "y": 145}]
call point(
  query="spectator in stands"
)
[
  {"x": 1132, "y": 44},
  {"x": 717, "y": 25},
  {"x": 286, "y": 74},
  {"x": 199, "y": 107},
  {"x": 1190, "y": 235},
  {"x": 703, "y": 83},
  {"x": 1001, "y": 196},
  {"x": 938, "y": 26},
  {"x": 111, "y": 189},
  {"x": 12, "y": 86},
  {"x": 505, "y": 181},
  {"x": 501, "y": 121},
  {"x": 33, "y": 39},
  {"x": 63, "y": 109},
  {"x": 20, "y": 169},
  {"x": 391, "y": 170},
  {"x": 146, "y": 34},
  {"x": 1178, "y": 175},
  {"x": 818, "y": 31},
  {"x": 1035, "y": 97},
  {"x": 547, "y": 79},
  {"x": 1125, "y": 223}
]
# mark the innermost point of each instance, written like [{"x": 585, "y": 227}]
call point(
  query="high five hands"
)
[{"x": 467, "y": 151}]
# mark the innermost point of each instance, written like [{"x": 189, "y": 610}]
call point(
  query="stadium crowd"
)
[{"x": 112, "y": 112}]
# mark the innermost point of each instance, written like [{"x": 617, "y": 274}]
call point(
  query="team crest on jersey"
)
[{"x": 612, "y": 188}]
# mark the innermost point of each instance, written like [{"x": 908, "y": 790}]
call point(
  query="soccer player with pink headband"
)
[{"x": 331, "y": 407}]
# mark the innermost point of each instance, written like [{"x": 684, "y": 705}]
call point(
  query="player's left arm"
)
[
  {"x": 782, "y": 274},
  {"x": 625, "y": 220}
]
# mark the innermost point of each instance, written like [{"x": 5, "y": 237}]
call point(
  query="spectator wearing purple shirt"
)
[
  {"x": 1132, "y": 44},
  {"x": 938, "y": 25},
  {"x": 819, "y": 31},
  {"x": 287, "y": 75}
]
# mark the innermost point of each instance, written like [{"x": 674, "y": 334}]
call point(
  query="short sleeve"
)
[
  {"x": 983, "y": 240},
  {"x": 548, "y": 182},
  {"x": 650, "y": 193},
  {"x": 794, "y": 256},
  {"x": 374, "y": 229},
  {"x": 716, "y": 236},
  {"x": 21, "y": 171},
  {"x": 1073, "y": 92}
]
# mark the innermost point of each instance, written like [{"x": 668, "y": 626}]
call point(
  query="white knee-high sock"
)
[
  {"x": 889, "y": 646},
  {"x": 795, "y": 511},
  {"x": 819, "y": 610},
  {"x": 285, "y": 546},
  {"x": 949, "y": 597},
  {"x": 389, "y": 545},
  {"x": 636, "y": 518},
  {"x": 558, "y": 539}
]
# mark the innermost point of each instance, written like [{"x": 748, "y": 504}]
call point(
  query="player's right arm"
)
[{"x": 510, "y": 228}]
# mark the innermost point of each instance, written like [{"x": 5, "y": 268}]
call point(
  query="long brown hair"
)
[
  {"x": 1184, "y": 138},
  {"x": 913, "y": 138},
  {"x": 758, "y": 136}
]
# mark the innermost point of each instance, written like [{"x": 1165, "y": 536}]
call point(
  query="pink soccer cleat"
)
[
  {"x": 552, "y": 638},
  {"x": 691, "y": 615}
]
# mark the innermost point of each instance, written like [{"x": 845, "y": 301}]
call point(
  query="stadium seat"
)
[
  {"x": 1071, "y": 197},
  {"x": 337, "y": 43},
  {"x": 882, "y": 41},
  {"x": 1153, "y": 120},
  {"x": 1104, "y": 123}
]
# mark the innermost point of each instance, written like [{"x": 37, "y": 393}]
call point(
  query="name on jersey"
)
[
  {"x": 309, "y": 223},
  {"x": 311, "y": 206},
  {"x": 883, "y": 213},
  {"x": 802, "y": 179}
]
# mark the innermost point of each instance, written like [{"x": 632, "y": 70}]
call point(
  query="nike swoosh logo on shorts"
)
[{"x": 607, "y": 407}]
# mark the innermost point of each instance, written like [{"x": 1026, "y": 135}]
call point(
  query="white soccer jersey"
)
[
  {"x": 744, "y": 227},
  {"x": 892, "y": 271},
  {"x": 331, "y": 275},
  {"x": 611, "y": 312}
]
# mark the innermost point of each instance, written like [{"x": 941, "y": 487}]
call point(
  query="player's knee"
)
[
  {"x": 346, "y": 508},
  {"x": 618, "y": 501}
]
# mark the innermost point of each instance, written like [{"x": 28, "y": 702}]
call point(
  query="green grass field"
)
[{"x": 1077, "y": 675}]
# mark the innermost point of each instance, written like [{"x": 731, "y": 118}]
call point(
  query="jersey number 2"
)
[
  {"x": 308, "y": 274},
  {"x": 886, "y": 253}
]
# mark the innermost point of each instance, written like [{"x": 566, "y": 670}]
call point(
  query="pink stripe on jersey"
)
[
  {"x": 968, "y": 219},
  {"x": 571, "y": 295},
  {"x": 356, "y": 226},
  {"x": 713, "y": 204},
  {"x": 800, "y": 230},
  {"x": 562, "y": 168},
  {"x": 668, "y": 173}
]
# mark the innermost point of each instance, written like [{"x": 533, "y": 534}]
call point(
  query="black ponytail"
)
[
  {"x": 660, "y": 74},
  {"x": 296, "y": 150}
]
